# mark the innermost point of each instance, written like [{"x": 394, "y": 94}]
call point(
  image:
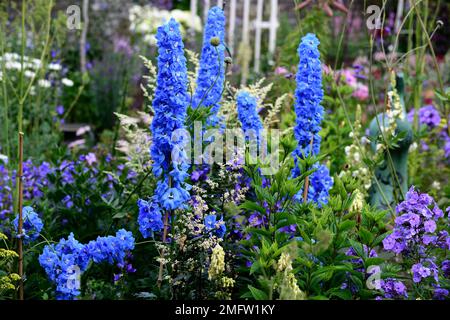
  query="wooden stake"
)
[
  {"x": 161, "y": 263},
  {"x": 305, "y": 191},
  {"x": 20, "y": 224}
]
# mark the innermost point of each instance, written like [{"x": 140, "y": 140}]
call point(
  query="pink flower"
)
[
  {"x": 91, "y": 158},
  {"x": 350, "y": 78},
  {"x": 281, "y": 71},
  {"x": 361, "y": 92}
]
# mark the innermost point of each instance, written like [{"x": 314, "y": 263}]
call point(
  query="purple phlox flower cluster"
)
[
  {"x": 440, "y": 293},
  {"x": 211, "y": 72},
  {"x": 66, "y": 261},
  {"x": 150, "y": 218},
  {"x": 445, "y": 267},
  {"x": 424, "y": 269},
  {"x": 248, "y": 115},
  {"x": 216, "y": 226},
  {"x": 415, "y": 225},
  {"x": 309, "y": 114},
  {"x": 32, "y": 225},
  {"x": 393, "y": 289},
  {"x": 427, "y": 115},
  {"x": 358, "y": 265},
  {"x": 446, "y": 142},
  {"x": 358, "y": 262}
]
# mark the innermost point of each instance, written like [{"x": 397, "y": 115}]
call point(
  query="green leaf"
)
[
  {"x": 366, "y": 236},
  {"x": 373, "y": 261},
  {"x": 257, "y": 293},
  {"x": 251, "y": 206},
  {"x": 347, "y": 225}
]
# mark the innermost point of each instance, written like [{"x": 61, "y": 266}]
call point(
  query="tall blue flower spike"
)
[
  {"x": 211, "y": 73},
  {"x": 309, "y": 113},
  {"x": 170, "y": 105}
]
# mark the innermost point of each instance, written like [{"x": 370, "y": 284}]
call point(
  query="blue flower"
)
[
  {"x": 170, "y": 104},
  {"x": 66, "y": 261},
  {"x": 32, "y": 224},
  {"x": 248, "y": 114},
  {"x": 211, "y": 223},
  {"x": 150, "y": 218},
  {"x": 62, "y": 262},
  {"x": 211, "y": 73},
  {"x": 309, "y": 115}
]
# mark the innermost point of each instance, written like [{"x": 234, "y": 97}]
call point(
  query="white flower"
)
[
  {"x": 54, "y": 66},
  {"x": 4, "y": 158},
  {"x": 364, "y": 140},
  {"x": 436, "y": 185},
  {"x": 44, "y": 83},
  {"x": 67, "y": 82},
  {"x": 413, "y": 147},
  {"x": 29, "y": 74},
  {"x": 13, "y": 65}
]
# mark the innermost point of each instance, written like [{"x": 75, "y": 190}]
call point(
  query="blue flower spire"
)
[
  {"x": 309, "y": 112},
  {"x": 170, "y": 104},
  {"x": 211, "y": 73},
  {"x": 248, "y": 113}
]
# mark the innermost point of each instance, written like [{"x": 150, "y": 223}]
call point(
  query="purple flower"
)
[
  {"x": 430, "y": 226},
  {"x": 91, "y": 158},
  {"x": 440, "y": 293},
  {"x": 60, "y": 110},
  {"x": 427, "y": 115}
]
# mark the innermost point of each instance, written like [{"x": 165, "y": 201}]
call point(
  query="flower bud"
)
[{"x": 215, "y": 41}]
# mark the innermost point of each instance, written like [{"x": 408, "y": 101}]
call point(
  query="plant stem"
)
[{"x": 20, "y": 224}]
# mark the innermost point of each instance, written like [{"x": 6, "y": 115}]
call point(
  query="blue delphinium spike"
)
[
  {"x": 170, "y": 104},
  {"x": 309, "y": 113},
  {"x": 211, "y": 73}
]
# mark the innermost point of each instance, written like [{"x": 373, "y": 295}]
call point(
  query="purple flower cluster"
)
[
  {"x": 417, "y": 236},
  {"x": 427, "y": 115},
  {"x": 34, "y": 180},
  {"x": 415, "y": 226},
  {"x": 393, "y": 289},
  {"x": 424, "y": 269}
]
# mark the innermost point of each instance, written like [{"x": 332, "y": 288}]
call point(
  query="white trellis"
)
[{"x": 235, "y": 9}]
